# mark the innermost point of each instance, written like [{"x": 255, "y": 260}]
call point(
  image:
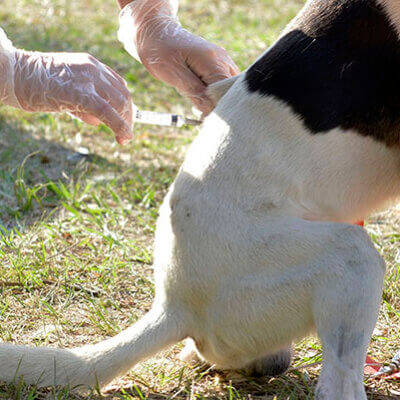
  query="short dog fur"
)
[{"x": 254, "y": 248}]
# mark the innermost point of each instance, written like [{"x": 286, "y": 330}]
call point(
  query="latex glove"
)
[
  {"x": 72, "y": 82},
  {"x": 152, "y": 34}
]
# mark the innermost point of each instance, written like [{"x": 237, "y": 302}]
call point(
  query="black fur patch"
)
[{"x": 338, "y": 67}]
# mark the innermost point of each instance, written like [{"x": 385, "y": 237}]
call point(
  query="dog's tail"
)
[{"x": 93, "y": 365}]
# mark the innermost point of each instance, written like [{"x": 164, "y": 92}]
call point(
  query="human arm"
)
[
  {"x": 72, "y": 82},
  {"x": 151, "y": 33}
]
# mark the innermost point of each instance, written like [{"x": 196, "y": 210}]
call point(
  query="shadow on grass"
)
[
  {"x": 34, "y": 171},
  {"x": 234, "y": 385},
  {"x": 231, "y": 386}
]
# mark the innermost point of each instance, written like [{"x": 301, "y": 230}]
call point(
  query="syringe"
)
[{"x": 163, "y": 119}]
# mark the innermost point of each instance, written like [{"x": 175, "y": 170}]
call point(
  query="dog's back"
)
[{"x": 337, "y": 66}]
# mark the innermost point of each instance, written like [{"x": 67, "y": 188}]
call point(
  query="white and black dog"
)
[{"x": 309, "y": 133}]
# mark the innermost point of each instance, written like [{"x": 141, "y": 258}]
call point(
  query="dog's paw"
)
[{"x": 189, "y": 352}]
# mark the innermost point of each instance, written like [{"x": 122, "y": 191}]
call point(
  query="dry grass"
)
[{"x": 76, "y": 232}]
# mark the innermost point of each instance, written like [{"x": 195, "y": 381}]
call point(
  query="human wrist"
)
[
  {"x": 7, "y": 69},
  {"x": 143, "y": 15},
  {"x": 123, "y": 3},
  {"x": 142, "y": 11},
  {"x": 173, "y": 4}
]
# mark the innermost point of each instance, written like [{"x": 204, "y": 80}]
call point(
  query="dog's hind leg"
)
[
  {"x": 317, "y": 275},
  {"x": 345, "y": 322}
]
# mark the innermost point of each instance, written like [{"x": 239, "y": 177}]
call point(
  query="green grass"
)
[{"x": 76, "y": 233}]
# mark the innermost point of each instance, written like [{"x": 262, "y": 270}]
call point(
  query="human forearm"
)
[
  {"x": 140, "y": 17},
  {"x": 7, "y": 66}
]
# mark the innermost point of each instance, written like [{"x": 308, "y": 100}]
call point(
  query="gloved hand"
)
[
  {"x": 152, "y": 34},
  {"x": 73, "y": 82}
]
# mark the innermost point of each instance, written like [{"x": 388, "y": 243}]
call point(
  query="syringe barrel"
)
[{"x": 161, "y": 119}]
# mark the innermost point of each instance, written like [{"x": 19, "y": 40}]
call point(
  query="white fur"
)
[
  {"x": 93, "y": 365},
  {"x": 238, "y": 267}
]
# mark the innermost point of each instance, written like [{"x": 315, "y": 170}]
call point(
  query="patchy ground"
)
[{"x": 76, "y": 231}]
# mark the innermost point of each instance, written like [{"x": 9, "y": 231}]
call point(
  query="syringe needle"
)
[{"x": 189, "y": 121}]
